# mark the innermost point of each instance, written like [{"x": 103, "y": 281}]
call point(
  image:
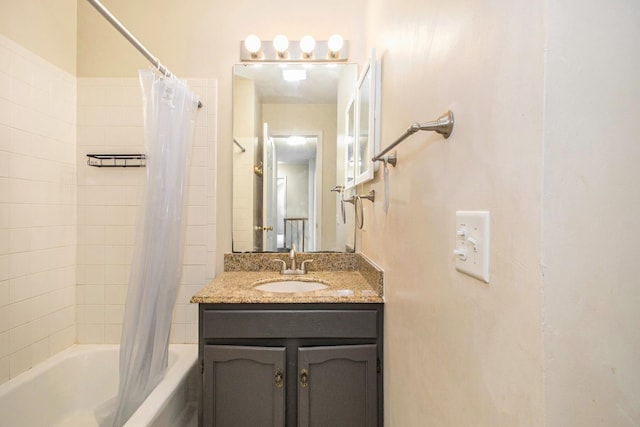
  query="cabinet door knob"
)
[
  {"x": 279, "y": 378},
  {"x": 304, "y": 378}
]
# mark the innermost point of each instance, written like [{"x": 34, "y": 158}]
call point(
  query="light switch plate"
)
[{"x": 472, "y": 243}]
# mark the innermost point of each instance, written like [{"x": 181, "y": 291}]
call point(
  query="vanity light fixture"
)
[{"x": 281, "y": 49}]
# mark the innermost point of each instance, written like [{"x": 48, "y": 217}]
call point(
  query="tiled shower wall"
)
[
  {"x": 110, "y": 121},
  {"x": 37, "y": 209}
]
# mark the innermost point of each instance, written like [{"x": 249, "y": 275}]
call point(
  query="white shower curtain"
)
[{"x": 169, "y": 120}]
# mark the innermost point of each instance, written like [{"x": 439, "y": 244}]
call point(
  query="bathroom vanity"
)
[{"x": 292, "y": 358}]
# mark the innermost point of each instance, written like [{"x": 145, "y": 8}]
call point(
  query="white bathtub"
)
[{"x": 65, "y": 389}]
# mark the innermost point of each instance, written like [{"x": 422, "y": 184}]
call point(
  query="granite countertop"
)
[{"x": 351, "y": 279}]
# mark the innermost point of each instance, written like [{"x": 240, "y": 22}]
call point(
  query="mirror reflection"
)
[{"x": 290, "y": 121}]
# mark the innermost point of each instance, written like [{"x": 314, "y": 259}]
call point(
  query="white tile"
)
[
  {"x": 41, "y": 307},
  {"x": 94, "y": 294},
  {"x": 18, "y": 264},
  {"x": 62, "y": 319},
  {"x": 61, "y": 298},
  {"x": 196, "y": 215},
  {"x": 40, "y": 351},
  {"x": 5, "y": 318},
  {"x": 5, "y": 371},
  {"x": 118, "y": 254},
  {"x": 20, "y": 361},
  {"x": 115, "y": 294},
  {"x": 4, "y": 344},
  {"x": 114, "y": 314},
  {"x": 20, "y": 239},
  {"x": 180, "y": 313},
  {"x": 20, "y": 288},
  {"x": 93, "y": 275},
  {"x": 198, "y": 175},
  {"x": 177, "y": 333},
  {"x": 20, "y": 337},
  {"x": 40, "y": 329},
  {"x": 195, "y": 255},
  {"x": 112, "y": 333},
  {"x": 5, "y": 293},
  {"x": 191, "y": 334},
  {"x": 117, "y": 274},
  {"x": 94, "y": 314},
  {"x": 90, "y": 334},
  {"x": 197, "y": 195},
  {"x": 196, "y": 235},
  {"x": 40, "y": 283},
  {"x": 63, "y": 339},
  {"x": 194, "y": 275}
]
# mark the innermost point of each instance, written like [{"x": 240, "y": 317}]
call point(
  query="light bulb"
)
[
  {"x": 281, "y": 43},
  {"x": 335, "y": 43},
  {"x": 307, "y": 44},
  {"x": 252, "y": 43}
]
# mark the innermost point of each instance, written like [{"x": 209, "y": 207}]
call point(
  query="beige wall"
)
[
  {"x": 47, "y": 28},
  {"x": 460, "y": 352},
  {"x": 591, "y": 203}
]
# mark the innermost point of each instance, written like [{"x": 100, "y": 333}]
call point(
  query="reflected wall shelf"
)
[{"x": 117, "y": 160}]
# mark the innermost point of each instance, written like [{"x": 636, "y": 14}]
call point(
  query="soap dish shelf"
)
[{"x": 117, "y": 160}]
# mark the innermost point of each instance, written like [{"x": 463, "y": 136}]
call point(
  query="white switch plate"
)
[{"x": 472, "y": 243}]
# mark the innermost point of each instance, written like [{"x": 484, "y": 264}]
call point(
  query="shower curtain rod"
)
[{"x": 130, "y": 37}]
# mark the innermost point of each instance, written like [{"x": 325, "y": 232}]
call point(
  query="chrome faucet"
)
[
  {"x": 294, "y": 266},
  {"x": 292, "y": 257}
]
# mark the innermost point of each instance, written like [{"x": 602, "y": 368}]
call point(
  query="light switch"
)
[{"x": 472, "y": 243}]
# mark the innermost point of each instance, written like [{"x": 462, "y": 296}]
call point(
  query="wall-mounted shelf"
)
[{"x": 117, "y": 160}]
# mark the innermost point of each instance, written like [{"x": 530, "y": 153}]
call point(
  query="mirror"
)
[
  {"x": 368, "y": 125},
  {"x": 290, "y": 145}
]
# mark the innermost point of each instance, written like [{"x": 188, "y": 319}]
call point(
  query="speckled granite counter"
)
[{"x": 351, "y": 278}]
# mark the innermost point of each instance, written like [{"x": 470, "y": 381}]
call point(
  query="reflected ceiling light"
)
[
  {"x": 296, "y": 140},
  {"x": 294, "y": 75}
]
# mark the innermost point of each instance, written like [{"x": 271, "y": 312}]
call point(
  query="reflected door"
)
[{"x": 270, "y": 193}]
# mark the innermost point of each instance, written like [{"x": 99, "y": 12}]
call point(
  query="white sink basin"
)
[{"x": 291, "y": 286}]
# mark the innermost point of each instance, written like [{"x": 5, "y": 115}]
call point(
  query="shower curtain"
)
[{"x": 169, "y": 119}]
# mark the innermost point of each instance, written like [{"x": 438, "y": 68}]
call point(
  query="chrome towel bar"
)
[{"x": 442, "y": 125}]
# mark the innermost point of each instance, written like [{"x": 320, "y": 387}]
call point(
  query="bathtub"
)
[{"x": 64, "y": 390}]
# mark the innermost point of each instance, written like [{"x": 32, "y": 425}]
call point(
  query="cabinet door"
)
[
  {"x": 243, "y": 386},
  {"x": 337, "y": 386}
]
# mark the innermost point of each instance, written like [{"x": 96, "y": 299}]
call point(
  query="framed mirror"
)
[
  {"x": 368, "y": 120},
  {"x": 290, "y": 145}
]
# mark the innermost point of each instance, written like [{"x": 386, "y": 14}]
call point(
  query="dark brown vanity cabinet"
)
[{"x": 291, "y": 365}]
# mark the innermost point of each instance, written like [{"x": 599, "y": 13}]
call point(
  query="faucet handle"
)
[
  {"x": 284, "y": 264},
  {"x": 303, "y": 263}
]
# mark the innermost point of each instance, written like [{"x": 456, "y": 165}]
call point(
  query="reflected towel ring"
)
[{"x": 359, "y": 216}]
